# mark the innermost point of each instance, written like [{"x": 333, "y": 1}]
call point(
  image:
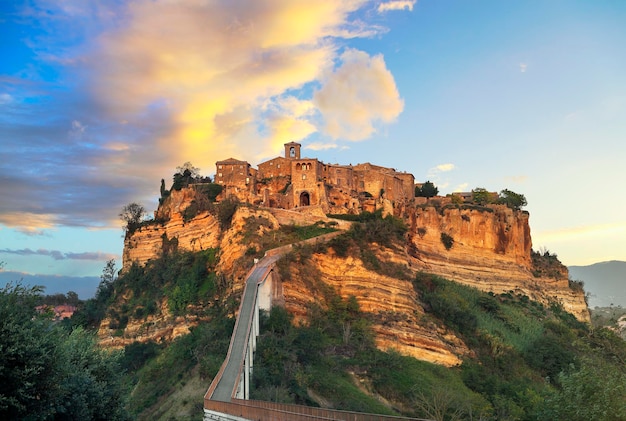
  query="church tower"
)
[{"x": 292, "y": 150}]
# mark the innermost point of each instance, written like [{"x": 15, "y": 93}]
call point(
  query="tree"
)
[
  {"x": 164, "y": 192},
  {"x": 595, "y": 391},
  {"x": 513, "y": 200},
  {"x": 132, "y": 214},
  {"x": 427, "y": 190},
  {"x": 49, "y": 373},
  {"x": 481, "y": 196},
  {"x": 91, "y": 313},
  {"x": 189, "y": 170}
]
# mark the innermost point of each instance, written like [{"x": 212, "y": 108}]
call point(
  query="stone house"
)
[{"x": 291, "y": 181}]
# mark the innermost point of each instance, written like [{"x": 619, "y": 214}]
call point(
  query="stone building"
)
[{"x": 291, "y": 181}]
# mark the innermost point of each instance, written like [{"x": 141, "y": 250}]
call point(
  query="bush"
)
[
  {"x": 447, "y": 240},
  {"x": 225, "y": 211}
]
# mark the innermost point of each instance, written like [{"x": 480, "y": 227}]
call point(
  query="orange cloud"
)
[
  {"x": 28, "y": 223},
  {"x": 358, "y": 94},
  {"x": 216, "y": 68}
]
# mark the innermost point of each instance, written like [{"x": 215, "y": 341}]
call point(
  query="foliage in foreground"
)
[{"x": 51, "y": 373}]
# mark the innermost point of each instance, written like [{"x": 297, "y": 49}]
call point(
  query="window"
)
[
  {"x": 219, "y": 167},
  {"x": 220, "y": 174},
  {"x": 304, "y": 176}
]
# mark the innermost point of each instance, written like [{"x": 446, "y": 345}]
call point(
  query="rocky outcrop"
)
[
  {"x": 149, "y": 241},
  {"x": 392, "y": 304},
  {"x": 489, "y": 249},
  {"x": 161, "y": 327}
]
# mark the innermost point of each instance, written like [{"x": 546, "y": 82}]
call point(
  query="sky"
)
[{"x": 100, "y": 100}]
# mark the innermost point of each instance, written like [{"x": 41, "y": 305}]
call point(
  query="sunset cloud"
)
[
  {"x": 27, "y": 222},
  {"x": 213, "y": 67},
  {"x": 147, "y": 85},
  {"x": 357, "y": 95}
]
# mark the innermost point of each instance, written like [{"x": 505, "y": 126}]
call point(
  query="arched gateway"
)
[{"x": 305, "y": 199}]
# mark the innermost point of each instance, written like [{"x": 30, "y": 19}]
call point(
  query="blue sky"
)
[{"x": 99, "y": 100}]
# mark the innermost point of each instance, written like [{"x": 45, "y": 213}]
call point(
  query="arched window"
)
[
  {"x": 292, "y": 152},
  {"x": 298, "y": 166}
]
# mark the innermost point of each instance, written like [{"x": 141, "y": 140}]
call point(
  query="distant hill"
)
[
  {"x": 84, "y": 286},
  {"x": 606, "y": 281}
]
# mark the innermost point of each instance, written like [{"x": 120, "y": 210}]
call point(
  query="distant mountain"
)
[
  {"x": 84, "y": 286},
  {"x": 605, "y": 281}
]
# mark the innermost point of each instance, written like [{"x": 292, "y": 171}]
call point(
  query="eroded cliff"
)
[{"x": 489, "y": 248}]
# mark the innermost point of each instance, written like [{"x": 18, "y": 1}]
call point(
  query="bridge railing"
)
[
  {"x": 250, "y": 322},
  {"x": 218, "y": 376},
  {"x": 271, "y": 411}
]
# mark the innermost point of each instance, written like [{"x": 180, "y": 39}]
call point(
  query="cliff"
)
[
  {"x": 391, "y": 304},
  {"x": 488, "y": 248}
]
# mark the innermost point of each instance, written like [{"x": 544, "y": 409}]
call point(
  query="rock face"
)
[
  {"x": 392, "y": 304},
  {"x": 148, "y": 242},
  {"x": 488, "y": 248}
]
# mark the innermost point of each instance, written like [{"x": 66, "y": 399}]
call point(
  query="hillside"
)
[
  {"x": 605, "y": 282},
  {"x": 376, "y": 294}
]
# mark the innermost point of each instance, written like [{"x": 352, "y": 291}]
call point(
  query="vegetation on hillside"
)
[
  {"x": 527, "y": 361},
  {"x": 49, "y": 372},
  {"x": 530, "y": 362}
]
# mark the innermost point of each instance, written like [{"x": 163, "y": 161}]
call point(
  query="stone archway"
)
[{"x": 305, "y": 199}]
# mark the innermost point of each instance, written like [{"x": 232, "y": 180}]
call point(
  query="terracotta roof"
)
[{"x": 231, "y": 161}]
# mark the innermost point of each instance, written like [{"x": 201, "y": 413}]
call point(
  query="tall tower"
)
[{"x": 292, "y": 150}]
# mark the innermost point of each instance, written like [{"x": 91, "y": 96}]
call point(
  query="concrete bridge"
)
[{"x": 228, "y": 395}]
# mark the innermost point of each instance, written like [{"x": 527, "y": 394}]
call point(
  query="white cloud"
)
[
  {"x": 357, "y": 95},
  {"x": 523, "y": 67},
  {"x": 461, "y": 187},
  {"x": 441, "y": 168},
  {"x": 444, "y": 167},
  {"x": 77, "y": 130},
  {"x": 518, "y": 179},
  {"x": 5, "y": 98},
  {"x": 396, "y": 5},
  {"x": 321, "y": 146}
]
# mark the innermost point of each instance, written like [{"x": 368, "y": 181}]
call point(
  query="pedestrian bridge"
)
[{"x": 228, "y": 395}]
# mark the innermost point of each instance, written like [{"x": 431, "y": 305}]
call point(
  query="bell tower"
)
[{"x": 292, "y": 150}]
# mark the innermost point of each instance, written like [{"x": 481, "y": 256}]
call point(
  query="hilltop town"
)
[{"x": 291, "y": 181}]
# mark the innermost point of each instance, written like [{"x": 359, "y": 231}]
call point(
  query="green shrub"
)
[
  {"x": 225, "y": 211},
  {"x": 447, "y": 241}
]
